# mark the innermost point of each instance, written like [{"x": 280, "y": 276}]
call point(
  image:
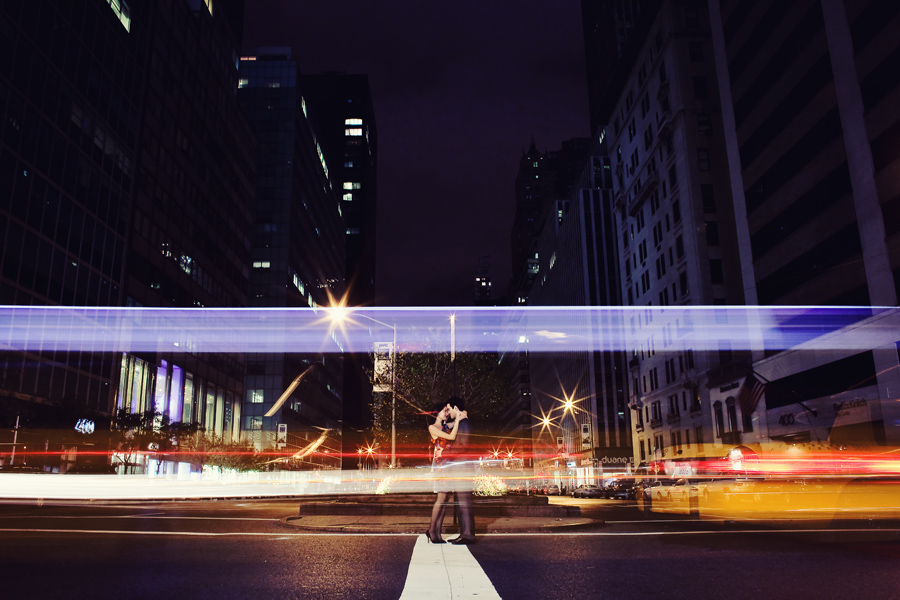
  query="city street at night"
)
[
  {"x": 439, "y": 300},
  {"x": 242, "y": 549}
]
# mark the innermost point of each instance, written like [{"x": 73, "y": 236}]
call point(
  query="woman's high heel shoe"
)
[{"x": 431, "y": 540}]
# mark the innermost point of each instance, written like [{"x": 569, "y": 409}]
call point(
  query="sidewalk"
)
[{"x": 418, "y": 524}]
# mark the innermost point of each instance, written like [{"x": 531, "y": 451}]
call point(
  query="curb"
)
[{"x": 414, "y": 528}]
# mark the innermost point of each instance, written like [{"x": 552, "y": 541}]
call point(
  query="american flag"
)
[{"x": 751, "y": 394}]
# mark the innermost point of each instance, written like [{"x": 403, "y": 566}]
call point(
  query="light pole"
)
[
  {"x": 339, "y": 314},
  {"x": 12, "y": 459},
  {"x": 453, "y": 349}
]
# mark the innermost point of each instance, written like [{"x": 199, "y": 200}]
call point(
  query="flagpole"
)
[{"x": 809, "y": 410}]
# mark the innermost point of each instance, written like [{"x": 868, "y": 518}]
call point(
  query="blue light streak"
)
[{"x": 480, "y": 329}]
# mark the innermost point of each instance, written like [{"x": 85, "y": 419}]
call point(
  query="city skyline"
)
[{"x": 458, "y": 95}]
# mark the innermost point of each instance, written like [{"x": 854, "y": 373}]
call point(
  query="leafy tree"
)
[
  {"x": 424, "y": 376},
  {"x": 149, "y": 430},
  {"x": 213, "y": 451}
]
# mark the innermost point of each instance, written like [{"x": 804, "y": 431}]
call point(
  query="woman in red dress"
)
[{"x": 442, "y": 436}]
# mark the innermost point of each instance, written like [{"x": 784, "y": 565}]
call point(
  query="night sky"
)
[{"x": 459, "y": 88}]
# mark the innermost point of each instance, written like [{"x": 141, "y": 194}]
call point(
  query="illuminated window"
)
[
  {"x": 256, "y": 396},
  {"x": 261, "y": 264},
  {"x": 123, "y": 13},
  {"x": 348, "y": 197},
  {"x": 273, "y": 84},
  {"x": 242, "y": 83},
  {"x": 303, "y": 105},
  {"x": 321, "y": 157},
  {"x": 256, "y": 423},
  {"x": 352, "y": 230},
  {"x": 348, "y": 164},
  {"x": 353, "y": 122},
  {"x": 353, "y": 131},
  {"x": 299, "y": 284},
  {"x": 352, "y": 185}
]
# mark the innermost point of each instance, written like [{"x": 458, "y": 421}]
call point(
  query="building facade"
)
[
  {"x": 188, "y": 243},
  {"x": 675, "y": 228},
  {"x": 583, "y": 393},
  {"x": 341, "y": 108},
  {"x": 297, "y": 261},
  {"x": 809, "y": 91},
  {"x": 121, "y": 188},
  {"x": 607, "y": 26}
]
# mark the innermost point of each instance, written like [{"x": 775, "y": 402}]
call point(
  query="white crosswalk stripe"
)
[{"x": 445, "y": 571}]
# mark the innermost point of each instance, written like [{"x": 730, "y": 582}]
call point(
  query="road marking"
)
[
  {"x": 445, "y": 571},
  {"x": 198, "y": 533},
  {"x": 153, "y": 516},
  {"x": 698, "y": 532},
  {"x": 441, "y": 546},
  {"x": 656, "y": 522}
]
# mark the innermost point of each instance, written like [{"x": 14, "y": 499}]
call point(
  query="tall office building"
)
[
  {"x": 188, "y": 243},
  {"x": 584, "y": 393},
  {"x": 341, "y": 107},
  {"x": 810, "y": 91},
  {"x": 121, "y": 187},
  {"x": 344, "y": 116},
  {"x": 67, "y": 170},
  {"x": 297, "y": 258},
  {"x": 534, "y": 188},
  {"x": 542, "y": 186},
  {"x": 607, "y": 26}
]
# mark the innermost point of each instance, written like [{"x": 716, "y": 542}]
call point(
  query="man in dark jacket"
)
[{"x": 462, "y": 473}]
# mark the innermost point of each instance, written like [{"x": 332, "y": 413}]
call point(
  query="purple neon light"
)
[{"x": 540, "y": 329}]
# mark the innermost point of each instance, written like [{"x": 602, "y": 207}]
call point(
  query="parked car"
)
[
  {"x": 587, "y": 490},
  {"x": 618, "y": 489},
  {"x": 670, "y": 489},
  {"x": 680, "y": 490},
  {"x": 92, "y": 470},
  {"x": 552, "y": 490},
  {"x": 648, "y": 490},
  {"x": 517, "y": 488},
  {"x": 19, "y": 469}
]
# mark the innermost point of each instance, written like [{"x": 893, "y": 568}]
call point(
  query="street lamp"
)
[
  {"x": 453, "y": 349},
  {"x": 338, "y": 315},
  {"x": 364, "y": 455}
]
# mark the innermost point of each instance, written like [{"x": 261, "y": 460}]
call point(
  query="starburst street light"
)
[
  {"x": 365, "y": 453},
  {"x": 569, "y": 402}
]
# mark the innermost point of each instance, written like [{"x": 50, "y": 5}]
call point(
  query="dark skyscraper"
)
[
  {"x": 297, "y": 257},
  {"x": 579, "y": 267},
  {"x": 542, "y": 186},
  {"x": 810, "y": 92},
  {"x": 341, "y": 108},
  {"x": 607, "y": 27},
  {"x": 120, "y": 186},
  {"x": 189, "y": 244}
]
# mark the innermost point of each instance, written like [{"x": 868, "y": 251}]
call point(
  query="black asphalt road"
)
[{"x": 227, "y": 550}]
